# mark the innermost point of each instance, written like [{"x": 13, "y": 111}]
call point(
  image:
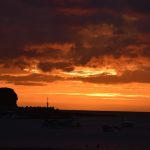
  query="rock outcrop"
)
[{"x": 8, "y": 98}]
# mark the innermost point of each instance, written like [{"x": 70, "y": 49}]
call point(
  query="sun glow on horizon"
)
[
  {"x": 85, "y": 96},
  {"x": 115, "y": 95},
  {"x": 88, "y": 71}
]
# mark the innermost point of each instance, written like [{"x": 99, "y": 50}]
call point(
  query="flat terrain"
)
[{"x": 83, "y": 130}]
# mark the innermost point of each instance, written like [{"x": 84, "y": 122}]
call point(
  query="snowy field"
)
[{"x": 130, "y": 132}]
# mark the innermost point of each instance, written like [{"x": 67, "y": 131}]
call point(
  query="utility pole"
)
[{"x": 47, "y": 103}]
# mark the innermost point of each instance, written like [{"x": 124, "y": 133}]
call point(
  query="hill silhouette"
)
[{"x": 8, "y": 98}]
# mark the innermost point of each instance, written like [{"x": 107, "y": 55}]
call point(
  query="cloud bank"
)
[{"x": 57, "y": 37}]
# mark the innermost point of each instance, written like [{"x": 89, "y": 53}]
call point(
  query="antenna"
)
[{"x": 47, "y": 103}]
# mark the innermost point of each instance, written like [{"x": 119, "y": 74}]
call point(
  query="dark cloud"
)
[
  {"x": 28, "y": 83},
  {"x": 32, "y": 79},
  {"x": 118, "y": 5},
  {"x": 49, "y": 66},
  {"x": 98, "y": 29},
  {"x": 140, "y": 6}
]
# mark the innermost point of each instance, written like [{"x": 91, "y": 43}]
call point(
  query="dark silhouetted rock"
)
[{"x": 8, "y": 98}]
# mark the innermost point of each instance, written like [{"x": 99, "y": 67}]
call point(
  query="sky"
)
[{"x": 81, "y": 54}]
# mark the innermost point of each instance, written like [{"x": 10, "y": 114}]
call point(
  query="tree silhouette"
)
[{"x": 8, "y": 98}]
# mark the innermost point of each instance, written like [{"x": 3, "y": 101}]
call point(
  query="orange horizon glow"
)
[{"x": 106, "y": 98}]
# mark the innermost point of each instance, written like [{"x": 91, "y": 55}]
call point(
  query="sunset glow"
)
[{"x": 85, "y": 72}]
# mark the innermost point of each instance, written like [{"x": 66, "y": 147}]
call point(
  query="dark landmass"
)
[
  {"x": 40, "y": 128},
  {"x": 51, "y": 112},
  {"x": 8, "y": 98}
]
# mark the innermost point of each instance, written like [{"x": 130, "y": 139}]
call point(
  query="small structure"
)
[
  {"x": 8, "y": 99},
  {"x": 47, "y": 105}
]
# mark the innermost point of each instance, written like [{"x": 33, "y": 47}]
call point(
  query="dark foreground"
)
[{"x": 75, "y": 130}]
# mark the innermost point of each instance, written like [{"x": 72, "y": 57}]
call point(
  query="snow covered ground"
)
[{"x": 85, "y": 132}]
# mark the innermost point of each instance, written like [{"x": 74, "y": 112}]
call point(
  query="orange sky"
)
[{"x": 86, "y": 96}]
